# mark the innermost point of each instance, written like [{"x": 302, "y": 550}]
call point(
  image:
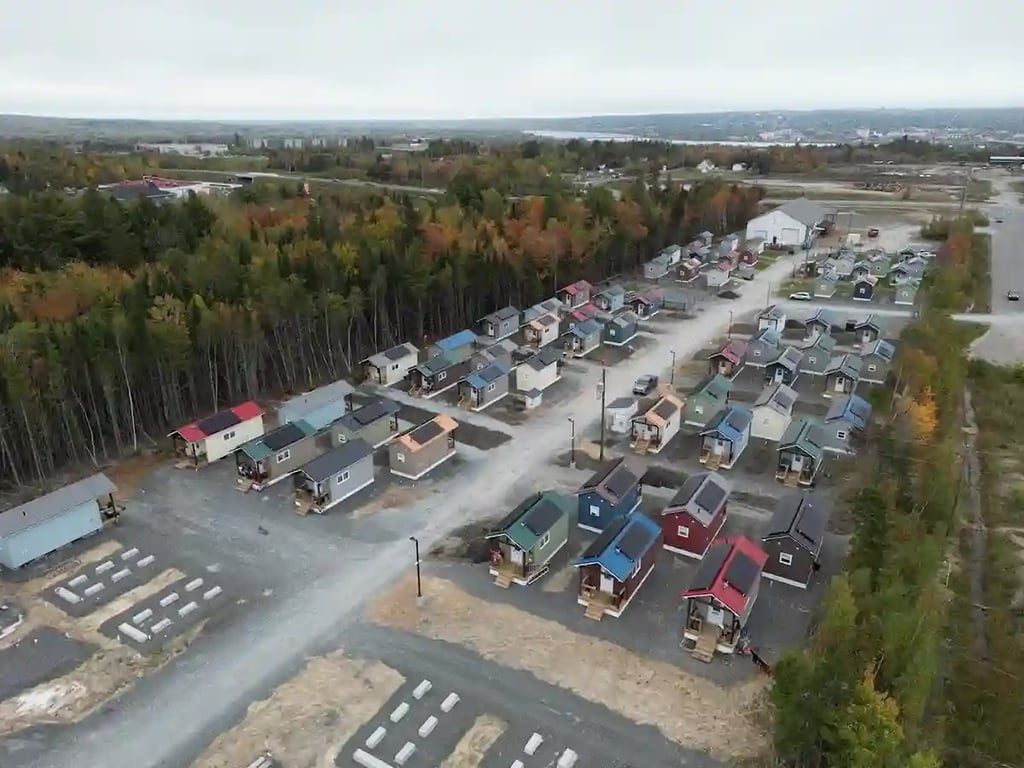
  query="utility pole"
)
[
  {"x": 604, "y": 389},
  {"x": 572, "y": 449},
  {"x": 672, "y": 377},
  {"x": 728, "y": 334},
  {"x": 419, "y": 582}
]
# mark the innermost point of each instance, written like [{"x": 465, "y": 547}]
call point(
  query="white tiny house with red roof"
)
[{"x": 217, "y": 436}]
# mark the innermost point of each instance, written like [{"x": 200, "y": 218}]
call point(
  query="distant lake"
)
[{"x": 599, "y": 136}]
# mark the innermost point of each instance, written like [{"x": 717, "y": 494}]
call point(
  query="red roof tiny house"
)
[
  {"x": 722, "y": 596},
  {"x": 207, "y": 440},
  {"x": 575, "y": 295},
  {"x": 695, "y": 515}
]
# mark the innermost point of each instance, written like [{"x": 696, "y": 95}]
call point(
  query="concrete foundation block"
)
[
  {"x": 399, "y": 712},
  {"x": 168, "y": 599},
  {"x": 94, "y": 588},
  {"x": 68, "y": 596},
  {"x": 147, "y": 560},
  {"x": 185, "y": 610},
  {"x": 130, "y": 554},
  {"x": 78, "y": 580},
  {"x": 132, "y": 633},
  {"x": 104, "y": 567},
  {"x": 533, "y": 744},
  {"x": 122, "y": 574},
  {"x": 568, "y": 759},
  {"x": 142, "y": 616},
  {"x": 449, "y": 702},
  {"x": 193, "y": 585},
  {"x": 428, "y": 727},
  {"x": 376, "y": 737},
  {"x": 517, "y": 764},
  {"x": 403, "y": 755},
  {"x": 367, "y": 760},
  {"x": 160, "y": 626},
  {"x": 212, "y": 593},
  {"x": 422, "y": 690}
]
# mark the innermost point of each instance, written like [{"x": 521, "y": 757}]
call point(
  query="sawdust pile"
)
[
  {"x": 688, "y": 710},
  {"x": 307, "y": 720},
  {"x": 473, "y": 746}
]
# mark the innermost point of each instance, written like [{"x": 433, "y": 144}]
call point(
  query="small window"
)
[
  {"x": 872, "y": 367},
  {"x": 757, "y": 353},
  {"x": 683, "y": 531},
  {"x": 543, "y": 541},
  {"x": 636, "y": 569},
  {"x": 491, "y": 386},
  {"x": 595, "y": 511},
  {"x": 343, "y": 477},
  {"x": 841, "y": 434},
  {"x": 229, "y": 435},
  {"x": 342, "y": 439},
  {"x": 785, "y": 558},
  {"x": 394, "y": 366},
  {"x": 284, "y": 456},
  {"x": 441, "y": 376},
  {"x": 812, "y": 359},
  {"x": 400, "y": 458},
  {"x": 698, "y": 409}
]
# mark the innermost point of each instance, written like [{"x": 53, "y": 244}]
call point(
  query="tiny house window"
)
[
  {"x": 343, "y": 477},
  {"x": 636, "y": 569},
  {"x": 683, "y": 531},
  {"x": 229, "y": 435},
  {"x": 841, "y": 434},
  {"x": 441, "y": 376},
  {"x": 698, "y": 409},
  {"x": 811, "y": 359},
  {"x": 595, "y": 511},
  {"x": 785, "y": 558},
  {"x": 400, "y": 458},
  {"x": 284, "y": 456},
  {"x": 757, "y": 353},
  {"x": 872, "y": 367},
  {"x": 544, "y": 540},
  {"x": 490, "y": 387},
  {"x": 394, "y": 366}
]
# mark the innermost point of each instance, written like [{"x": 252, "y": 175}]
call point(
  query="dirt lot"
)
[
  {"x": 473, "y": 746},
  {"x": 306, "y": 721},
  {"x": 688, "y": 710}
]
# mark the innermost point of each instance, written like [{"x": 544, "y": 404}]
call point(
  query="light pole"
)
[
  {"x": 419, "y": 582},
  {"x": 603, "y": 386},
  {"x": 572, "y": 449},
  {"x": 672, "y": 375},
  {"x": 729, "y": 333}
]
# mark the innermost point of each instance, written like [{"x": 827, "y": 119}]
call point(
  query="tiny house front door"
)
[
  {"x": 715, "y": 616},
  {"x": 516, "y": 555},
  {"x": 607, "y": 584},
  {"x": 840, "y": 384}
]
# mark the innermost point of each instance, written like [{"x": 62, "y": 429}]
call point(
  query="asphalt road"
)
[
  {"x": 167, "y": 718},
  {"x": 1007, "y": 246}
]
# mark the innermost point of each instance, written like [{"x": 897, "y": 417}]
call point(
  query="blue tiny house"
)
[{"x": 615, "y": 490}]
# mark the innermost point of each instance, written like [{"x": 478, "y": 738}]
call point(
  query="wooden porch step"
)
[
  {"x": 713, "y": 461},
  {"x": 792, "y": 480},
  {"x": 244, "y": 486},
  {"x": 503, "y": 579},
  {"x": 641, "y": 446},
  {"x": 594, "y": 610},
  {"x": 704, "y": 650},
  {"x": 302, "y": 507}
]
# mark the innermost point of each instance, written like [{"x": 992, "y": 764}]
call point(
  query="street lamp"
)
[
  {"x": 572, "y": 449},
  {"x": 729, "y": 334},
  {"x": 672, "y": 377},
  {"x": 419, "y": 582}
]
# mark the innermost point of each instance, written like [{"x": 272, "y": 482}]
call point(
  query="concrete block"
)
[
  {"x": 160, "y": 626},
  {"x": 533, "y": 744},
  {"x": 403, "y": 755},
  {"x": 518, "y": 764},
  {"x": 193, "y": 585},
  {"x": 428, "y": 727},
  {"x": 376, "y": 737},
  {"x": 78, "y": 580},
  {"x": 399, "y": 712},
  {"x": 212, "y": 593},
  {"x": 147, "y": 560},
  {"x": 185, "y": 610},
  {"x": 449, "y": 702},
  {"x": 568, "y": 759},
  {"x": 104, "y": 567},
  {"x": 130, "y": 553},
  {"x": 93, "y": 589},
  {"x": 168, "y": 599},
  {"x": 141, "y": 616},
  {"x": 367, "y": 760},
  {"x": 68, "y": 596},
  {"x": 133, "y": 633},
  {"x": 422, "y": 689},
  {"x": 122, "y": 574}
]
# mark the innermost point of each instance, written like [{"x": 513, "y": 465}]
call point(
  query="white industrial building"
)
[{"x": 792, "y": 223}]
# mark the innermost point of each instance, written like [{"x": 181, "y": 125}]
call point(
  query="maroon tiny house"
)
[
  {"x": 696, "y": 514},
  {"x": 616, "y": 565}
]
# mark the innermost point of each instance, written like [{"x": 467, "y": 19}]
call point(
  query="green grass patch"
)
[{"x": 979, "y": 190}]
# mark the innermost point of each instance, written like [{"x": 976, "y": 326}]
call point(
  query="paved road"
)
[
  {"x": 413, "y": 190},
  {"x": 166, "y": 719},
  {"x": 1007, "y": 245},
  {"x": 862, "y": 203},
  {"x": 801, "y": 310}
]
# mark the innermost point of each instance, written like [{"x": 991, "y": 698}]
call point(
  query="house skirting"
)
[
  {"x": 436, "y": 392},
  {"x": 783, "y": 580},
  {"x": 861, "y": 298},
  {"x": 690, "y": 280},
  {"x": 489, "y": 403},
  {"x": 661, "y": 444},
  {"x": 617, "y": 612},
  {"x": 824, "y": 295},
  {"x": 589, "y": 528},
  {"x": 524, "y": 581},
  {"x": 686, "y": 553},
  {"x": 621, "y": 343},
  {"x": 263, "y": 486},
  {"x": 336, "y": 502},
  {"x": 584, "y": 352},
  {"x": 652, "y": 314},
  {"x": 429, "y": 469},
  {"x": 871, "y": 381}
]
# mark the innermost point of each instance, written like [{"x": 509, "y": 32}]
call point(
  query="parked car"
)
[
  {"x": 999, "y": 221},
  {"x": 1013, "y": 295},
  {"x": 873, "y": 232},
  {"x": 645, "y": 385},
  {"x": 800, "y": 296}
]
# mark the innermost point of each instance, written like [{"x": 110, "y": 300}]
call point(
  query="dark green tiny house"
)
[{"x": 524, "y": 542}]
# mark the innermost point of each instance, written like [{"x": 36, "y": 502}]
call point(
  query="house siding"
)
[
  {"x": 699, "y": 539},
  {"x": 220, "y": 445},
  {"x": 803, "y": 562},
  {"x": 485, "y": 397},
  {"x": 392, "y": 373},
  {"x": 633, "y": 583},
  {"x": 418, "y": 462},
  {"x": 360, "y": 474},
  {"x": 614, "y": 334},
  {"x": 302, "y": 452},
  {"x": 878, "y": 375},
  {"x": 606, "y": 512},
  {"x": 43, "y": 538},
  {"x": 528, "y": 378},
  {"x": 374, "y": 434},
  {"x": 559, "y": 536}
]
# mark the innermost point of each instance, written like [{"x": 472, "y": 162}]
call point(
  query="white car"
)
[{"x": 800, "y": 296}]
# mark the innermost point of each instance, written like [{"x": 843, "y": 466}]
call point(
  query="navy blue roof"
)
[
  {"x": 485, "y": 376},
  {"x": 586, "y": 328},
  {"x": 730, "y": 422},
  {"x": 640, "y": 534}
]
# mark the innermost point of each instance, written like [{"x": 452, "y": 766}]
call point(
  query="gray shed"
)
[
  {"x": 41, "y": 526},
  {"x": 330, "y": 479}
]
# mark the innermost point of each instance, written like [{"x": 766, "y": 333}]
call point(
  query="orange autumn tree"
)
[{"x": 924, "y": 416}]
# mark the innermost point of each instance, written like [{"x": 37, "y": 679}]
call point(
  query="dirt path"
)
[
  {"x": 687, "y": 709},
  {"x": 972, "y": 490},
  {"x": 306, "y": 721},
  {"x": 473, "y": 746}
]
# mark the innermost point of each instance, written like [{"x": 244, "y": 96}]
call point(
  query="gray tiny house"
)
[
  {"x": 484, "y": 387},
  {"x": 500, "y": 324},
  {"x": 330, "y": 479},
  {"x": 420, "y": 450},
  {"x": 272, "y": 457},
  {"x": 376, "y": 423},
  {"x": 390, "y": 366}
]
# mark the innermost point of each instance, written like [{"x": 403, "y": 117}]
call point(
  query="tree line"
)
[{"x": 120, "y": 322}]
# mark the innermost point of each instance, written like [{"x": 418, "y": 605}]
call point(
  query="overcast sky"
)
[{"x": 403, "y": 59}]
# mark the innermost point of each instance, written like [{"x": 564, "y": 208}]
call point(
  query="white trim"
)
[
  {"x": 685, "y": 553},
  {"x": 433, "y": 466},
  {"x": 783, "y": 580},
  {"x": 436, "y": 392},
  {"x": 590, "y": 528},
  {"x": 622, "y": 343},
  {"x": 335, "y": 502},
  {"x": 263, "y": 486},
  {"x": 489, "y": 403},
  {"x": 616, "y": 613}
]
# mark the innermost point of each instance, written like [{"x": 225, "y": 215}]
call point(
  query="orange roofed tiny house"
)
[{"x": 207, "y": 440}]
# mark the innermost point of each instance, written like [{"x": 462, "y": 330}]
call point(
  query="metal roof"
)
[
  {"x": 803, "y": 435},
  {"x": 54, "y": 504},
  {"x": 546, "y": 357},
  {"x": 848, "y": 365},
  {"x": 618, "y": 553},
  {"x": 701, "y": 496},
  {"x": 806, "y": 211},
  {"x": 802, "y": 517},
  {"x": 488, "y": 374},
  {"x": 371, "y": 412},
  {"x": 282, "y": 437},
  {"x": 337, "y": 459},
  {"x": 790, "y": 358},
  {"x": 615, "y": 478},
  {"x": 505, "y": 313},
  {"x": 729, "y": 422},
  {"x": 299, "y": 406},
  {"x": 456, "y": 341},
  {"x": 532, "y": 518}
]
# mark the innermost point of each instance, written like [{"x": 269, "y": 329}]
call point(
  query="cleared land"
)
[{"x": 473, "y": 746}]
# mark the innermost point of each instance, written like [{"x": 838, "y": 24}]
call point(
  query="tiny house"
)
[
  {"x": 581, "y": 315},
  {"x": 817, "y": 355},
  {"x": 876, "y": 361},
  {"x": 541, "y": 331},
  {"x": 721, "y": 596},
  {"x": 436, "y": 375},
  {"x": 906, "y": 294},
  {"x": 500, "y": 324},
  {"x": 552, "y": 307},
  {"x": 772, "y": 412},
  {"x": 820, "y": 324},
  {"x": 764, "y": 347},
  {"x": 619, "y": 415},
  {"x": 795, "y": 538},
  {"x": 329, "y": 479},
  {"x": 539, "y": 371},
  {"x": 728, "y": 360},
  {"x": 842, "y": 375},
  {"x": 725, "y": 438},
  {"x": 864, "y": 288},
  {"x": 689, "y": 270},
  {"x": 695, "y": 515},
  {"x": 784, "y": 369},
  {"x": 417, "y": 452},
  {"x": 868, "y": 330},
  {"x": 847, "y": 418},
  {"x": 525, "y": 541},
  {"x": 576, "y": 294},
  {"x": 485, "y": 387},
  {"x": 611, "y": 298},
  {"x": 583, "y": 338},
  {"x": 616, "y": 565},
  {"x": 825, "y": 285},
  {"x": 206, "y": 441},
  {"x": 613, "y": 491},
  {"x": 390, "y": 366},
  {"x": 457, "y": 347},
  {"x": 656, "y": 268},
  {"x": 271, "y": 458},
  {"x": 709, "y": 397},
  {"x": 376, "y": 423},
  {"x": 647, "y": 304},
  {"x": 621, "y": 329},
  {"x": 655, "y": 429},
  {"x": 773, "y": 318},
  {"x": 801, "y": 453},
  {"x": 673, "y": 253},
  {"x": 319, "y": 408}
]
